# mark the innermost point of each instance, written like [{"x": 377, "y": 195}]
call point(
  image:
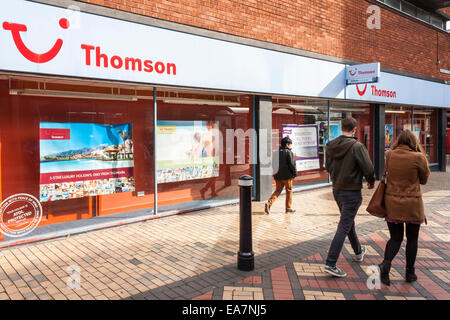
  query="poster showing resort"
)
[
  {"x": 85, "y": 159},
  {"x": 187, "y": 150}
]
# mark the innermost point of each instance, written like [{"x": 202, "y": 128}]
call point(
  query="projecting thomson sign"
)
[{"x": 362, "y": 73}]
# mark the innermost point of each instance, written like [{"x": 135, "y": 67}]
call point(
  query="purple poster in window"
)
[{"x": 305, "y": 145}]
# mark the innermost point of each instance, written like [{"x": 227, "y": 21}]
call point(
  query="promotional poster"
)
[
  {"x": 305, "y": 145},
  {"x": 187, "y": 150},
  {"x": 85, "y": 159},
  {"x": 335, "y": 131},
  {"x": 389, "y": 135}
]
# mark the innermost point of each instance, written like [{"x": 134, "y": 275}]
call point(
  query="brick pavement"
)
[{"x": 193, "y": 256}]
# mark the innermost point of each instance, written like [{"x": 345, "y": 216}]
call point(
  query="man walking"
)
[
  {"x": 347, "y": 161},
  {"x": 284, "y": 174}
]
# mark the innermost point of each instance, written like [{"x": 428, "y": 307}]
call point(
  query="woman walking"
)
[{"x": 407, "y": 168}]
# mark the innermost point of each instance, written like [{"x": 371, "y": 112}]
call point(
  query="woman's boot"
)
[
  {"x": 410, "y": 275},
  {"x": 385, "y": 268}
]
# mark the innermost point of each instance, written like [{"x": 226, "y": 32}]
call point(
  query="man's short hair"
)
[
  {"x": 348, "y": 124},
  {"x": 285, "y": 141}
]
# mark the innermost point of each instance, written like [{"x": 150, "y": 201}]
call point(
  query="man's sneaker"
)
[
  {"x": 360, "y": 257},
  {"x": 267, "y": 208},
  {"x": 290, "y": 211},
  {"x": 335, "y": 271}
]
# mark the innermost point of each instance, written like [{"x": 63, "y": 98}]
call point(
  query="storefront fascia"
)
[{"x": 101, "y": 49}]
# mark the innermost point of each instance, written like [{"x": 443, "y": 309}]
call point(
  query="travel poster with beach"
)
[
  {"x": 85, "y": 159},
  {"x": 187, "y": 150}
]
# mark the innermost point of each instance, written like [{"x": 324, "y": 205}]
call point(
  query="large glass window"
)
[
  {"x": 204, "y": 143},
  {"x": 362, "y": 112},
  {"x": 298, "y": 118},
  {"x": 398, "y": 118},
  {"x": 82, "y": 151},
  {"x": 86, "y": 151},
  {"x": 425, "y": 120},
  {"x": 423, "y": 126}
]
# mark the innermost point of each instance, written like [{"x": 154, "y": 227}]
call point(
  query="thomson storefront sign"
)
[{"x": 42, "y": 39}]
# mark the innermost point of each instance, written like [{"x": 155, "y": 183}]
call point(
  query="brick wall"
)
[{"x": 332, "y": 27}]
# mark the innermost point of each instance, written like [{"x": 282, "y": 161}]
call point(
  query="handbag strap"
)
[{"x": 386, "y": 172}]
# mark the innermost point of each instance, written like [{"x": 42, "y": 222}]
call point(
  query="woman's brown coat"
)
[{"x": 407, "y": 170}]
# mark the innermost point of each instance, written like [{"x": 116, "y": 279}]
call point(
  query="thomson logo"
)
[
  {"x": 93, "y": 55},
  {"x": 377, "y": 92},
  {"x": 361, "y": 73},
  {"x": 16, "y": 28}
]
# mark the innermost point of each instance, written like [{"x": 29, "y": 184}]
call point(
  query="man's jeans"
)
[{"x": 348, "y": 202}]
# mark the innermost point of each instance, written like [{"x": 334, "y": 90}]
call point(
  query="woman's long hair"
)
[{"x": 407, "y": 138}]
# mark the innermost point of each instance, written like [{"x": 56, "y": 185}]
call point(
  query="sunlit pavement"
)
[{"x": 194, "y": 256}]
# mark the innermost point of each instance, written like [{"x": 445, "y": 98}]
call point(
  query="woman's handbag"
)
[{"x": 376, "y": 204}]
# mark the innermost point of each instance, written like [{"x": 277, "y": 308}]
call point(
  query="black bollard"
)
[{"x": 246, "y": 257}]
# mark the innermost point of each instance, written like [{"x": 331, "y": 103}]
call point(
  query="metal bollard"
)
[{"x": 246, "y": 260}]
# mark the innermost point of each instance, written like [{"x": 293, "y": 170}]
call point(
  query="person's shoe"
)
[
  {"x": 290, "y": 211},
  {"x": 410, "y": 275},
  {"x": 335, "y": 271},
  {"x": 385, "y": 267},
  {"x": 267, "y": 208},
  {"x": 360, "y": 257}
]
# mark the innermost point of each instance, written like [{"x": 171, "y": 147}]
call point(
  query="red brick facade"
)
[{"x": 332, "y": 27}]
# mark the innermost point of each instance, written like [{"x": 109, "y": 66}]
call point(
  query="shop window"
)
[
  {"x": 298, "y": 118},
  {"x": 362, "y": 112},
  {"x": 204, "y": 143},
  {"x": 423, "y": 126},
  {"x": 425, "y": 120},
  {"x": 81, "y": 157},
  {"x": 397, "y": 119}
]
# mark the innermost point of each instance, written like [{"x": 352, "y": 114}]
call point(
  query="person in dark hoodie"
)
[
  {"x": 347, "y": 161},
  {"x": 285, "y": 171}
]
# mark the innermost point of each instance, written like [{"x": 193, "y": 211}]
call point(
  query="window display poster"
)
[
  {"x": 187, "y": 150},
  {"x": 335, "y": 131},
  {"x": 305, "y": 145},
  {"x": 85, "y": 159},
  {"x": 388, "y": 136},
  {"x": 415, "y": 130}
]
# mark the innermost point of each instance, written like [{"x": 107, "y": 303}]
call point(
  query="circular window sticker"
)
[{"x": 20, "y": 214}]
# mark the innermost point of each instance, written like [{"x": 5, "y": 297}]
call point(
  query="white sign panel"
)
[
  {"x": 43, "y": 39},
  {"x": 362, "y": 73},
  {"x": 38, "y": 38},
  {"x": 403, "y": 90}
]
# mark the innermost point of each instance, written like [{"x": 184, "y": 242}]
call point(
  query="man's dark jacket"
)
[
  {"x": 286, "y": 168},
  {"x": 348, "y": 161}
]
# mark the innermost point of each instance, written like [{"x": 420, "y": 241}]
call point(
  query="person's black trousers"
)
[
  {"x": 348, "y": 202},
  {"x": 393, "y": 245}
]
